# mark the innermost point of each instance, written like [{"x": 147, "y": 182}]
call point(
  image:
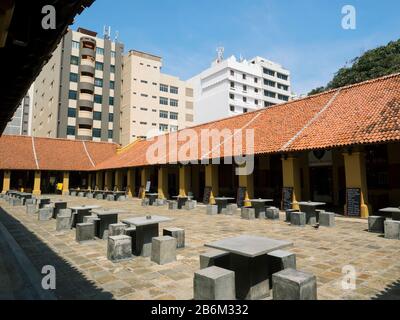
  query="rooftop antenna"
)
[
  {"x": 107, "y": 32},
  {"x": 116, "y": 36},
  {"x": 220, "y": 54}
]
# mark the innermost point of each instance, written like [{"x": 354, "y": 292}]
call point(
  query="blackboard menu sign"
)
[
  {"x": 287, "y": 198},
  {"x": 353, "y": 202},
  {"x": 241, "y": 196},
  {"x": 207, "y": 195}
]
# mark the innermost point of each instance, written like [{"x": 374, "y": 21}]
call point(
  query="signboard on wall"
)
[
  {"x": 287, "y": 198},
  {"x": 148, "y": 186},
  {"x": 241, "y": 196},
  {"x": 207, "y": 195},
  {"x": 353, "y": 202}
]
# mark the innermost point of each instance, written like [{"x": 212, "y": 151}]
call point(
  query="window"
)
[
  {"x": 245, "y": 110},
  {"x": 163, "y": 88},
  {"x": 97, "y": 115},
  {"x": 173, "y": 128},
  {"x": 163, "y": 114},
  {"x": 112, "y": 54},
  {"x": 100, "y": 51},
  {"x": 173, "y": 115},
  {"x": 74, "y": 60},
  {"x": 111, "y": 117},
  {"x": 244, "y": 99},
  {"x": 174, "y": 90},
  {"x": 283, "y": 87},
  {"x": 96, "y": 133},
  {"x": 112, "y": 69},
  {"x": 73, "y": 77},
  {"x": 111, "y": 101},
  {"x": 110, "y": 134},
  {"x": 99, "y": 66},
  {"x": 232, "y": 85},
  {"x": 71, "y": 112},
  {"x": 98, "y": 82},
  {"x": 75, "y": 44},
  {"x": 173, "y": 102},
  {"x": 143, "y": 81},
  {"x": 244, "y": 76},
  {"x": 244, "y": 88},
  {"x": 268, "y": 104},
  {"x": 282, "y": 76},
  {"x": 255, "y": 80},
  {"x": 269, "y": 94},
  {"x": 269, "y": 72},
  {"x": 232, "y": 73},
  {"x": 232, "y": 108},
  {"x": 269, "y": 83},
  {"x": 112, "y": 85},
  {"x": 144, "y": 95},
  {"x": 98, "y": 98},
  {"x": 163, "y": 127},
  {"x": 144, "y": 109},
  {"x": 255, "y": 90},
  {"x": 72, "y": 94},
  {"x": 256, "y": 102},
  {"x": 283, "y": 97},
  {"x": 70, "y": 131},
  {"x": 164, "y": 101},
  {"x": 232, "y": 96}
]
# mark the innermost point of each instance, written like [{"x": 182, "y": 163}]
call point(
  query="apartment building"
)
[
  {"x": 152, "y": 102},
  {"x": 21, "y": 122},
  {"x": 77, "y": 94},
  {"x": 231, "y": 87}
]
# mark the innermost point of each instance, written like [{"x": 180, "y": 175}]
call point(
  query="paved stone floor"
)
[{"x": 83, "y": 271}]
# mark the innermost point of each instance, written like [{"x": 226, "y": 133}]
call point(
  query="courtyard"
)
[{"x": 83, "y": 271}]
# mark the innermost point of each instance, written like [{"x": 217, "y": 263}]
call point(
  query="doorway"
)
[{"x": 321, "y": 184}]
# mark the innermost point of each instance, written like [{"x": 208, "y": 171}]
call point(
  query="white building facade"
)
[{"x": 231, "y": 87}]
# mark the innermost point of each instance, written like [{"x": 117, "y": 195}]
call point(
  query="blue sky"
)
[{"x": 304, "y": 36}]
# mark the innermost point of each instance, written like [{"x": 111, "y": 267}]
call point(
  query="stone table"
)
[
  {"x": 249, "y": 261},
  {"x": 259, "y": 205},
  {"x": 106, "y": 217},
  {"x": 309, "y": 207},
  {"x": 222, "y": 202},
  {"x": 146, "y": 230},
  {"x": 80, "y": 212},
  {"x": 152, "y": 197},
  {"x": 395, "y": 212}
]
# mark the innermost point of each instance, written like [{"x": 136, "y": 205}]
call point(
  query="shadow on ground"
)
[
  {"x": 392, "y": 292},
  {"x": 71, "y": 284}
]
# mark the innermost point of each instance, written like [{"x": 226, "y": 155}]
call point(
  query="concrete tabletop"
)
[
  {"x": 143, "y": 221},
  {"x": 390, "y": 210},
  {"x": 223, "y": 198},
  {"x": 85, "y": 207},
  {"x": 311, "y": 203},
  {"x": 261, "y": 200},
  {"x": 151, "y": 194},
  {"x": 181, "y": 197},
  {"x": 103, "y": 212},
  {"x": 249, "y": 246}
]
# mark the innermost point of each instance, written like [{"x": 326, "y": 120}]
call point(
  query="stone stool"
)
[
  {"x": 214, "y": 283},
  {"x": 231, "y": 209},
  {"x": 84, "y": 232},
  {"x": 280, "y": 260},
  {"x": 63, "y": 222},
  {"x": 212, "y": 209},
  {"x": 178, "y": 234},
  {"x": 81, "y": 194},
  {"x": 30, "y": 201},
  {"x": 376, "y": 224},
  {"x": 45, "y": 214},
  {"x": 119, "y": 248},
  {"x": 99, "y": 196},
  {"x": 131, "y": 232},
  {"x": 16, "y": 202},
  {"x": 215, "y": 257},
  {"x": 272, "y": 213},
  {"x": 318, "y": 212},
  {"x": 326, "y": 219},
  {"x": 392, "y": 229},
  {"x": 116, "y": 229},
  {"x": 145, "y": 202},
  {"x": 172, "y": 205},
  {"x": 288, "y": 213},
  {"x": 122, "y": 198},
  {"x": 163, "y": 250},
  {"x": 90, "y": 195},
  {"x": 31, "y": 208},
  {"x": 160, "y": 202},
  {"x": 72, "y": 193},
  {"x": 291, "y": 284},
  {"x": 248, "y": 213},
  {"x": 190, "y": 204},
  {"x": 298, "y": 219},
  {"x": 110, "y": 197}
]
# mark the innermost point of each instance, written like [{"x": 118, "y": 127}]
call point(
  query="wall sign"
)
[
  {"x": 287, "y": 198},
  {"x": 241, "y": 196},
  {"x": 207, "y": 195},
  {"x": 353, "y": 202}
]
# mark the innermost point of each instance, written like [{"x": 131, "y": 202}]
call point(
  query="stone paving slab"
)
[{"x": 83, "y": 271}]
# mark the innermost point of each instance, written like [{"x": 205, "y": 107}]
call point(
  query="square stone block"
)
[
  {"x": 63, "y": 222},
  {"x": 298, "y": 219},
  {"x": 291, "y": 284},
  {"x": 273, "y": 213},
  {"x": 84, "y": 232},
  {"x": 90, "y": 195},
  {"x": 91, "y": 219},
  {"x": 190, "y": 204},
  {"x": 172, "y": 205},
  {"x": 122, "y": 198},
  {"x": 65, "y": 212},
  {"x": 212, "y": 209},
  {"x": 119, "y": 248},
  {"x": 81, "y": 194},
  {"x": 392, "y": 229},
  {"x": 163, "y": 250},
  {"x": 72, "y": 193},
  {"x": 30, "y": 201},
  {"x": 216, "y": 258},
  {"x": 45, "y": 214},
  {"x": 16, "y": 202},
  {"x": 131, "y": 232},
  {"x": 31, "y": 208},
  {"x": 280, "y": 260},
  {"x": 178, "y": 234},
  {"x": 232, "y": 209},
  {"x": 145, "y": 202},
  {"x": 214, "y": 283},
  {"x": 326, "y": 219},
  {"x": 289, "y": 213},
  {"x": 376, "y": 224},
  {"x": 99, "y": 196},
  {"x": 110, "y": 197},
  {"x": 160, "y": 202},
  {"x": 248, "y": 213},
  {"x": 116, "y": 229}
]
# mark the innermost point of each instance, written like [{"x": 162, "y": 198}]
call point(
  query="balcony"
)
[
  {"x": 87, "y": 79},
  {"x": 86, "y": 97},
  {"x": 88, "y": 62}
]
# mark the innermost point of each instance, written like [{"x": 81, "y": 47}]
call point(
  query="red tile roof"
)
[{"x": 364, "y": 113}]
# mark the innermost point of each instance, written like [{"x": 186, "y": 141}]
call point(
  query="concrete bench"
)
[
  {"x": 116, "y": 229},
  {"x": 122, "y": 198},
  {"x": 119, "y": 248},
  {"x": 99, "y": 196},
  {"x": 214, "y": 283},
  {"x": 190, "y": 205},
  {"x": 84, "y": 232},
  {"x": 248, "y": 213},
  {"x": 212, "y": 209},
  {"x": 89, "y": 195},
  {"x": 31, "y": 208},
  {"x": 160, "y": 202},
  {"x": 63, "y": 222},
  {"x": 178, "y": 234},
  {"x": 30, "y": 201},
  {"x": 215, "y": 257},
  {"x": 81, "y": 194},
  {"x": 288, "y": 213},
  {"x": 280, "y": 260},
  {"x": 131, "y": 232},
  {"x": 326, "y": 219},
  {"x": 291, "y": 284},
  {"x": 45, "y": 214},
  {"x": 163, "y": 250},
  {"x": 272, "y": 213},
  {"x": 72, "y": 193},
  {"x": 110, "y": 197},
  {"x": 172, "y": 205},
  {"x": 376, "y": 224},
  {"x": 392, "y": 229},
  {"x": 298, "y": 219},
  {"x": 231, "y": 209},
  {"x": 145, "y": 202},
  {"x": 16, "y": 202}
]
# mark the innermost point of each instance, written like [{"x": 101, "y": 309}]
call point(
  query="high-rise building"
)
[
  {"x": 230, "y": 87},
  {"x": 153, "y": 102},
  {"x": 77, "y": 94},
  {"x": 21, "y": 122}
]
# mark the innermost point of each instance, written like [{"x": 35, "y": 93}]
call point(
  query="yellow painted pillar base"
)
[
  {"x": 248, "y": 183},
  {"x": 291, "y": 178},
  {"x": 131, "y": 182},
  {"x": 65, "y": 190},
  {"x": 184, "y": 181},
  {"x": 36, "y": 185},
  {"x": 143, "y": 181},
  {"x": 212, "y": 181},
  {"x": 163, "y": 183},
  {"x": 6, "y": 181}
]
